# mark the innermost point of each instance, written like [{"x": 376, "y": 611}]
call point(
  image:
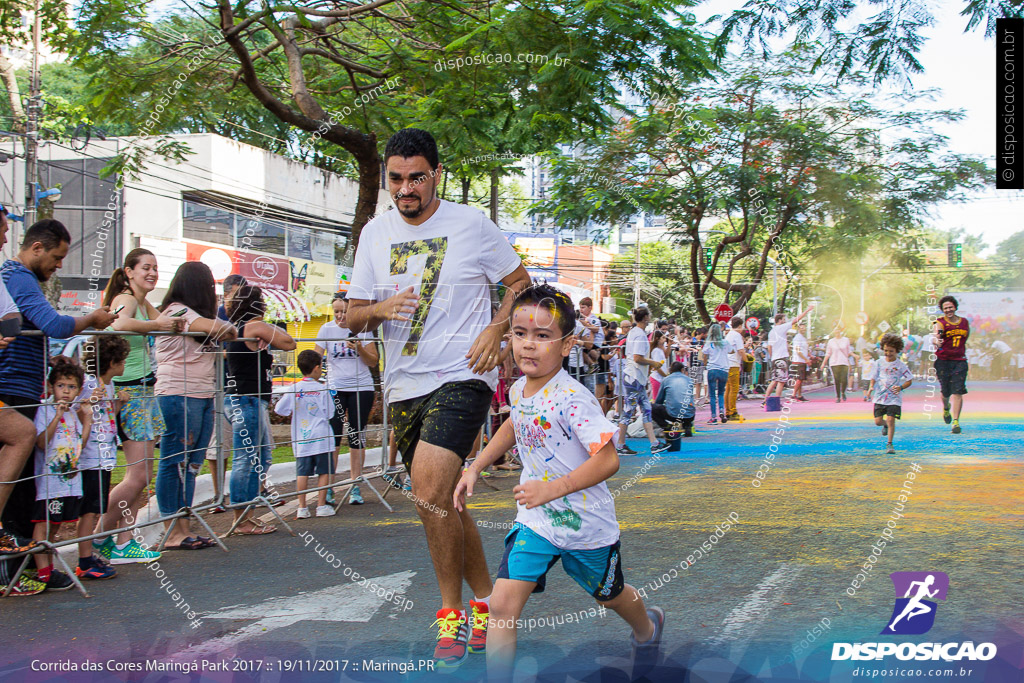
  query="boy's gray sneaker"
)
[{"x": 645, "y": 655}]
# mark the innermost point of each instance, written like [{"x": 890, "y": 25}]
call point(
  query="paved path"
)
[{"x": 781, "y": 570}]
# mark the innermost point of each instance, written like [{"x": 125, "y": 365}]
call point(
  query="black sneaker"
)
[
  {"x": 659, "y": 447},
  {"x": 59, "y": 581},
  {"x": 625, "y": 450},
  {"x": 885, "y": 429}
]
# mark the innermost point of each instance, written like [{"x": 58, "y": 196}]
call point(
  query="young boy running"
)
[
  {"x": 311, "y": 407},
  {"x": 888, "y": 380},
  {"x": 567, "y": 448}
]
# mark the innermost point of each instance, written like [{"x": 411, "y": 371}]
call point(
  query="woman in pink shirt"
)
[{"x": 837, "y": 356}]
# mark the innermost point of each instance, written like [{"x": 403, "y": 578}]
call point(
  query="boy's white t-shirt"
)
[
  {"x": 734, "y": 340},
  {"x": 556, "y": 430},
  {"x": 886, "y": 376},
  {"x": 310, "y": 405},
  {"x": 450, "y": 260},
  {"x": 346, "y": 371},
  {"x": 777, "y": 340},
  {"x": 65, "y": 448},
  {"x": 636, "y": 344},
  {"x": 868, "y": 368},
  {"x": 100, "y": 450}
]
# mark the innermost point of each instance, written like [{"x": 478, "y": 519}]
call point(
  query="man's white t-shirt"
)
[
  {"x": 734, "y": 340},
  {"x": 346, "y": 371},
  {"x": 800, "y": 349},
  {"x": 576, "y": 352},
  {"x": 557, "y": 430},
  {"x": 310, "y": 405},
  {"x": 636, "y": 344},
  {"x": 777, "y": 340},
  {"x": 450, "y": 260}
]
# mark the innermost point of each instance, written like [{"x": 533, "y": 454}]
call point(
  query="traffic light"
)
[
  {"x": 955, "y": 254},
  {"x": 707, "y": 259}
]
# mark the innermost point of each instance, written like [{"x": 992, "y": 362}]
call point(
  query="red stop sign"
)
[{"x": 723, "y": 313}]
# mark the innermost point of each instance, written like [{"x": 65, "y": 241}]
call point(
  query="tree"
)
[
  {"x": 793, "y": 168},
  {"x": 322, "y": 69},
  {"x": 662, "y": 281}
]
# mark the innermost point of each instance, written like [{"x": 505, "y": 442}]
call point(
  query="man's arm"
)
[
  {"x": 800, "y": 317},
  {"x": 486, "y": 354}
]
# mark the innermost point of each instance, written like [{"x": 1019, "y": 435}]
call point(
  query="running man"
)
[
  {"x": 778, "y": 349},
  {"x": 915, "y": 607},
  {"x": 951, "y": 333},
  {"x": 424, "y": 271}
]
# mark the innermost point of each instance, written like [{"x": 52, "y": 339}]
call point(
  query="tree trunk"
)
[
  {"x": 494, "y": 195},
  {"x": 465, "y": 190},
  {"x": 13, "y": 94}
]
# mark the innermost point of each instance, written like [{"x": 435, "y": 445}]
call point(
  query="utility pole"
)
[
  {"x": 32, "y": 123},
  {"x": 636, "y": 271}
]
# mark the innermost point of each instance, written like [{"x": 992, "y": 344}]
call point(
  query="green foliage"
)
[{"x": 664, "y": 281}]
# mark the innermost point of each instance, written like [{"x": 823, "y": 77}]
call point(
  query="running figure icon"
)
[
  {"x": 917, "y": 594},
  {"x": 915, "y": 607}
]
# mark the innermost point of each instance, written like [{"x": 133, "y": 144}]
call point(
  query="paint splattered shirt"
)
[
  {"x": 888, "y": 375},
  {"x": 57, "y": 466},
  {"x": 311, "y": 407},
  {"x": 450, "y": 260},
  {"x": 556, "y": 430}
]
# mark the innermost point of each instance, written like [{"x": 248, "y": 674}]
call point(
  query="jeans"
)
[
  {"x": 250, "y": 427},
  {"x": 189, "y": 425},
  {"x": 716, "y": 390},
  {"x": 732, "y": 390}
]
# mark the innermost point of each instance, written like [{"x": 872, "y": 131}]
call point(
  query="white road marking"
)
[
  {"x": 348, "y": 601},
  {"x": 754, "y": 608}
]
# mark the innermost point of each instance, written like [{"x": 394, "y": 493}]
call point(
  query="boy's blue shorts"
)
[{"x": 529, "y": 557}]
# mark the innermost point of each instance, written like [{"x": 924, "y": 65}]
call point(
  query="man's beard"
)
[
  {"x": 40, "y": 275},
  {"x": 413, "y": 212}
]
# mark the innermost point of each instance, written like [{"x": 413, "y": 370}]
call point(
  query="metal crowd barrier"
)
[{"x": 220, "y": 500}]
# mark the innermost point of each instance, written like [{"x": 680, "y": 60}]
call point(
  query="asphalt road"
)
[{"x": 273, "y": 609}]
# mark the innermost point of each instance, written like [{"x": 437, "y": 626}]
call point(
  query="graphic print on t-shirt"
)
[{"x": 401, "y": 254}]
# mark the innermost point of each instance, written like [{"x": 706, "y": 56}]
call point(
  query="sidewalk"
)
[{"x": 278, "y": 474}]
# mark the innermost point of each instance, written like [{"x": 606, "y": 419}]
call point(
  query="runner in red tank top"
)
[{"x": 951, "y": 333}]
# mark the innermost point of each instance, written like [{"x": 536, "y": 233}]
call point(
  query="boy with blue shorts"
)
[
  {"x": 567, "y": 448},
  {"x": 311, "y": 407}
]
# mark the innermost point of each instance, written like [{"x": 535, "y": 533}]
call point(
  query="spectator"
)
[
  {"x": 737, "y": 354},
  {"x": 247, "y": 400},
  {"x": 837, "y": 355},
  {"x": 349, "y": 359},
  {"x": 62, "y": 427},
  {"x": 634, "y": 376},
  {"x": 716, "y": 352},
  {"x": 23, "y": 361},
  {"x": 185, "y": 387},
  {"x": 141, "y": 421},
  {"x": 675, "y": 402},
  {"x": 1001, "y": 359},
  {"x": 310, "y": 406},
  {"x": 801, "y": 359},
  {"x": 229, "y": 285},
  {"x": 605, "y": 378},
  {"x": 659, "y": 353},
  {"x": 577, "y": 359}
]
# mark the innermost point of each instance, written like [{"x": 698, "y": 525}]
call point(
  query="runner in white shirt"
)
[
  {"x": 778, "y": 347},
  {"x": 423, "y": 275},
  {"x": 801, "y": 358},
  {"x": 349, "y": 359}
]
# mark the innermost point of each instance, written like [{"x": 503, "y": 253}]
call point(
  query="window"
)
[{"x": 95, "y": 240}]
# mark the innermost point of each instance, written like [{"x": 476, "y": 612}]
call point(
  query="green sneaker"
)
[
  {"x": 133, "y": 552},
  {"x": 947, "y": 417},
  {"x": 956, "y": 426},
  {"x": 104, "y": 548}
]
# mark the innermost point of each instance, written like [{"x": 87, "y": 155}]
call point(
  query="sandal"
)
[
  {"x": 206, "y": 541},
  {"x": 187, "y": 543},
  {"x": 258, "y": 529}
]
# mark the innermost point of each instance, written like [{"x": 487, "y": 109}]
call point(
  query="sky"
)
[{"x": 962, "y": 66}]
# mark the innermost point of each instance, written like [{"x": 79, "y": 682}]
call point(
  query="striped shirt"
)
[{"x": 22, "y": 370}]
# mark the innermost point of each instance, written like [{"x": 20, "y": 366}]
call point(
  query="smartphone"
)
[
  {"x": 178, "y": 314},
  {"x": 10, "y": 327}
]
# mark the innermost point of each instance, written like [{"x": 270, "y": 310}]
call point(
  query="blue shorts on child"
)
[
  {"x": 529, "y": 556},
  {"x": 309, "y": 465}
]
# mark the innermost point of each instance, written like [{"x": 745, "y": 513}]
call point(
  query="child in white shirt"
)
[{"x": 310, "y": 405}]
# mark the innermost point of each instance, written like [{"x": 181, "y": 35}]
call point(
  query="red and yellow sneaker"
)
[
  {"x": 452, "y": 634},
  {"x": 478, "y": 636}
]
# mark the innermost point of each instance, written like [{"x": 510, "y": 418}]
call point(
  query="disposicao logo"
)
[{"x": 914, "y": 614}]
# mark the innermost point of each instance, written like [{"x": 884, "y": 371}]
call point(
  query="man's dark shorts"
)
[
  {"x": 882, "y": 409},
  {"x": 800, "y": 371},
  {"x": 450, "y": 417},
  {"x": 952, "y": 376}
]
